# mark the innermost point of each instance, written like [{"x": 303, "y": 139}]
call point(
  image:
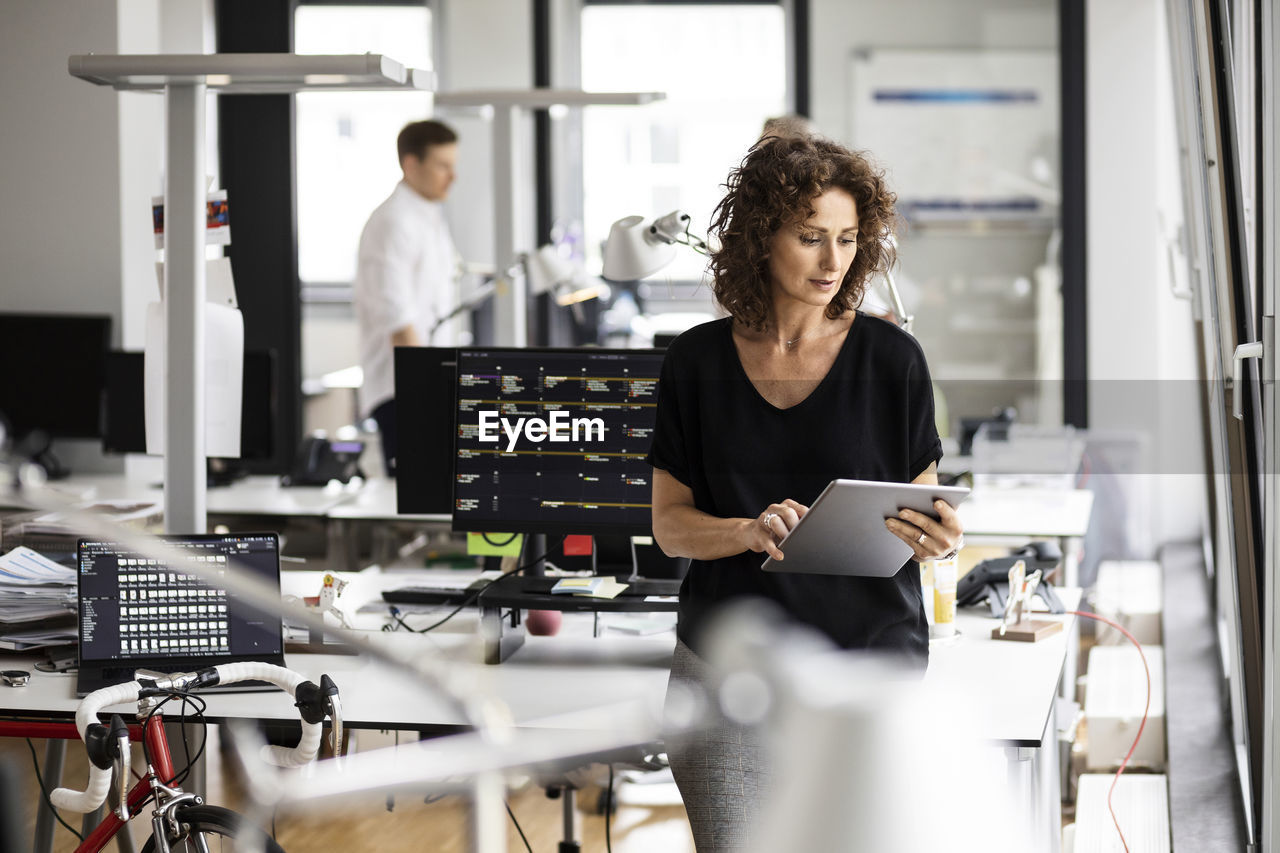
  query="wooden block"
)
[{"x": 1027, "y": 631}]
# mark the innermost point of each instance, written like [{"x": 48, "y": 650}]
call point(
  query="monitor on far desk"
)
[
  {"x": 552, "y": 441},
  {"x": 53, "y": 377},
  {"x": 123, "y": 410},
  {"x": 598, "y": 485}
]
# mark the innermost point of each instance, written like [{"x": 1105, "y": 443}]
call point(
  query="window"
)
[
  {"x": 346, "y": 142},
  {"x": 730, "y": 76}
]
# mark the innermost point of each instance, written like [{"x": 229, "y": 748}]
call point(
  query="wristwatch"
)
[{"x": 15, "y": 677}]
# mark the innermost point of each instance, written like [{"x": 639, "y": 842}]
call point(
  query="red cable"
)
[{"x": 1141, "y": 726}]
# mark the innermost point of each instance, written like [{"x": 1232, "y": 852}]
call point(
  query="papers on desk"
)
[
  {"x": 37, "y": 601},
  {"x": 133, "y": 513}
]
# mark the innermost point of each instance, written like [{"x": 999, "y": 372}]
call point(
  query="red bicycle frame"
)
[{"x": 152, "y": 733}]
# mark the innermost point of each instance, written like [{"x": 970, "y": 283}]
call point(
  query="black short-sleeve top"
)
[{"x": 870, "y": 418}]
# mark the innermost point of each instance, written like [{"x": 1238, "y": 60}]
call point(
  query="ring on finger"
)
[
  {"x": 920, "y": 538},
  {"x": 767, "y": 521}
]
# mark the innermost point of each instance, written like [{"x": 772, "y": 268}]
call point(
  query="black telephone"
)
[
  {"x": 320, "y": 460},
  {"x": 989, "y": 579}
]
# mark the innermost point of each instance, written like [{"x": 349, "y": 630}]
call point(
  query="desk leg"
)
[
  {"x": 500, "y": 641},
  {"x": 55, "y": 750},
  {"x": 1072, "y": 553},
  {"x": 344, "y": 550},
  {"x": 1049, "y": 788}
]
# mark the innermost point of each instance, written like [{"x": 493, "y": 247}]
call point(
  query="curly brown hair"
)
[{"x": 773, "y": 187}]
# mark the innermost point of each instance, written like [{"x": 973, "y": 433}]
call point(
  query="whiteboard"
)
[{"x": 961, "y": 133}]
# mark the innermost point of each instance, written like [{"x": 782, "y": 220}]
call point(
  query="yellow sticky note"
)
[{"x": 494, "y": 544}]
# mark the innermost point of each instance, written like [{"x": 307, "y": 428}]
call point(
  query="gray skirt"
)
[{"x": 720, "y": 769}]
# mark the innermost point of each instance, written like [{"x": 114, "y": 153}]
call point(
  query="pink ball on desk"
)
[{"x": 543, "y": 623}]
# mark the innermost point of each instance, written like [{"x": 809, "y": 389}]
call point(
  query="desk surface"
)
[
  {"x": 254, "y": 495},
  {"x": 1027, "y": 512},
  {"x": 987, "y": 512},
  {"x": 1007, "y": 687}
]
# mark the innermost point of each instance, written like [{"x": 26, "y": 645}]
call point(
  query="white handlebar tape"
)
[
  {"x": 287, "y": 680},
  {"x": 99, "y": 780}
]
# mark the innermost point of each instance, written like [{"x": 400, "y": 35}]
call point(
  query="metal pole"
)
[
  {"x": 510, "y": 324},
  {"x": 55, "y": 751},
  {"x": 184, "y": 297}
]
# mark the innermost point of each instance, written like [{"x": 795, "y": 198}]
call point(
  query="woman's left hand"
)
[{"x": 929, "y": 539}]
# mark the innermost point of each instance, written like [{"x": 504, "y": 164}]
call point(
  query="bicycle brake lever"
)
[
  {"x": 121, "y": 762},
  {"x": 333, "y": 707}
]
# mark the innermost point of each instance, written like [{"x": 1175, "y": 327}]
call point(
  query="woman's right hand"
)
[{"x": 770, "y": 527}]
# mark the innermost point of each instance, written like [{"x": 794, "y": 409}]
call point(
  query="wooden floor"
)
[{"x": 364, "y": 823}]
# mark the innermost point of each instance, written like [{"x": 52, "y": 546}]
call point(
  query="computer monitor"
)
[
  {"x": 124, "y": 414},
  {"x": 554, "y": 440},
  {"x": 426, "y": 401},
  {"x": 53, "y": 372}
]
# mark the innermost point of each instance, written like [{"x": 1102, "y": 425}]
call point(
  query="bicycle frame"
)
[{"x": 152, "y": 733}]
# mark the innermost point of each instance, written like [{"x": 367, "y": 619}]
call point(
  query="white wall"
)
[
  {"x": 79, "y": 164},
  {"x": 59, "y": 176},
  {"x": 838, "y": 27}
]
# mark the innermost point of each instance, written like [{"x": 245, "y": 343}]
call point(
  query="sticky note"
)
[{"x": 494, "y": 544}]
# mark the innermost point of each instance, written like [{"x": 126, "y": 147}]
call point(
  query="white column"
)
[
  {"x": 184, "y": 297},
  {"x": 510, "y": 301}
]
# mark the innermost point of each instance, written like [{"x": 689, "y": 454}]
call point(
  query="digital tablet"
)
[{"x": 843, "y": 532}]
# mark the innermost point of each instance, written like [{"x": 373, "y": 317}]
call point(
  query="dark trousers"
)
[{"x": 385, "y": 415}]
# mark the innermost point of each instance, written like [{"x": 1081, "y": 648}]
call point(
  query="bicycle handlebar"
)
[{"x": 87, "y": 714}]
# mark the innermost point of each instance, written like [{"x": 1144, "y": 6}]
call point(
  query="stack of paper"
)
[
  {"x": 598, "y": 586},
  {"x": 54, "y": 533},
  {"x": 37, "y": 601}
]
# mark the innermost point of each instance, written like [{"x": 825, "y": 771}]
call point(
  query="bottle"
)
[{"x": 944, "y": 597}]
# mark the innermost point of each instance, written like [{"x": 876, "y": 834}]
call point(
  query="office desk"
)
[
  {"x": 253, "y": 495},
  {"x": 552, "y": 682},
  {"x": 1009, "y": 691},
  {"x": 555, "y": 683}
]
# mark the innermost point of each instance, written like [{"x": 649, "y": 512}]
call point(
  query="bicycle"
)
[{"x": 181, "y": 820}]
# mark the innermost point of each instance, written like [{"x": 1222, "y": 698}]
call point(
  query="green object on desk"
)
[{"x": 494, "y": 544}]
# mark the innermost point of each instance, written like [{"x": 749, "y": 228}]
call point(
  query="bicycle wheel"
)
[{"x": 218, "y": 829}]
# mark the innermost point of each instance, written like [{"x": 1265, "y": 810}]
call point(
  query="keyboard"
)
[{"x": 427, "y": 595}]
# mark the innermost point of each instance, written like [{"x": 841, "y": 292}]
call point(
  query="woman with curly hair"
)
[{"x": 758, "y": 411}]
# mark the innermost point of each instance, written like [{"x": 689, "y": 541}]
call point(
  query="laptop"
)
[{"x": 138, "y": 613}]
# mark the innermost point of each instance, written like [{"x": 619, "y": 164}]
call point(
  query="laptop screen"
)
[{"x": 134, "y": 608}]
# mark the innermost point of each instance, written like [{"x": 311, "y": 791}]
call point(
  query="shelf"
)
[{"x": 543, "y": 98}]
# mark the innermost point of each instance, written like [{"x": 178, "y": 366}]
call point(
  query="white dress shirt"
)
[{"x": 405, "y": 275}]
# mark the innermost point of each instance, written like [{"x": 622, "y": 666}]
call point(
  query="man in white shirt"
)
[{"x": 405, "y": 288}]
